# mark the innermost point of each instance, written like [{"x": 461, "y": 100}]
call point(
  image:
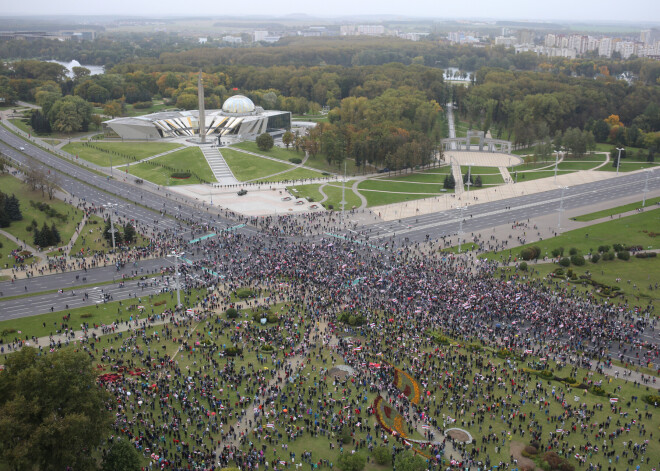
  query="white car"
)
[{"x": 21, "y": 148}]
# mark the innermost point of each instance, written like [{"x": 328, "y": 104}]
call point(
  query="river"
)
[{"x": 94, "y": 69}]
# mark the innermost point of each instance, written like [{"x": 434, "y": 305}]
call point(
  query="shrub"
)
[
  {"x": 160, "y": 303},
  {"x": 265, "y": 141},
  {"x": 637, "y": 255},
  {"x": 603, "y": 248},
  {"x": 617, "y": 247},
  {"x": 272, "y": 318},
  {"x": 345, "y": 436},
  {"x": 650, "y": 399},
  {"x": 565, "y": 262},
  {"x": 546, "y": 374},
  {"x": 267, "y": 348},
  {"x": 556, "y": 252},
  {"x": 8, "y": 331},
  {"x": 295, "y": 160},
  {"x": 231, "y": 313},
  {"x": 595, "y": 257},
  {"x": 623, "y": 255},
  {"x": 504, "y": 353},
  {"x": 180, "y": 175},
  {"x": 608, "y": 256},
  {"x": 352, "y": 462},
  {"x": 523, "y": 266},
  {"x": 142, "y": 105},
  {"x": 526, "y": 253},
  {"x": 573, "y": 251},
  {"x": 598, "y": 391},
  {"x": 381, "y": 455},
  {"x": 559, "y": 271},
  {"x": 233, "y": 351},
  {"x": 244, "y": 293},
  {"x": 577, "y": 260},
  {"x": 86, "y": 315}
]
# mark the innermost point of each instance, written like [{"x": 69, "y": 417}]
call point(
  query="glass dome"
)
[{"x": 238, "y": 104}]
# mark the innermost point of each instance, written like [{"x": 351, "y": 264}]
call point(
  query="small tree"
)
[
  {"x": 129, "y": 233},
  {"x": 287, "y": 138},
  {"x": 565, "y": 262},
  {"x": 352, "y": 462},
  {"x": 449, "y": 183},
  {"x": 409, "y": 461},
  {"x": 382, "y": 455},
  {"x": 122, "y": 457},
  {"x": 265, "y": 142}
]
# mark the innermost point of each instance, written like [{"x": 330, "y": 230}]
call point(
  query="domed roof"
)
[{"x": 238, "y": 104}]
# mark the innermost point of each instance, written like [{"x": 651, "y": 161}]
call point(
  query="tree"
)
[
  {"x": 601, "y": 130},
  {"x": 113, "y": 108},
  {"x": 265, "y": 142},
  {"x": 55, "y": 237},
  {"x": 70, "y": 114},
  {"x": 449, "y": 183},
  {"x": 129, "y": 233},
  {"x": 13, "y": 208},
  {"x": 650, "y": 157},
  {"x": 352, "y": 462},
  {"x": 382, "y": 455},
  {"x": 97, "y": 120},
  {"x": 287, "y": 138},
  {"x": 122, "y": 457},
  {"x": 409, "y": 461},
  {"x": 107, "y": 234},
  {"x": 52, "y": 413}
]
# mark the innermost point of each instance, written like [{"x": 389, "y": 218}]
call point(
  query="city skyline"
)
[{"x": 562, "y": 10}]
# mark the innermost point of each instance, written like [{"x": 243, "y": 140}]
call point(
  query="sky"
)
[{"x": 572, "y": 10}]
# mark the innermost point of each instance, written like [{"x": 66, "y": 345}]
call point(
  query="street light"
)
[
  {"x": 468, "y": 179},
  {"x": 618, "y": 160},
  {"x": 561, "y": 206},
  {"x": 557, "y": 162},
  {"x": 177, "y": 256},
  {"x": 460, "y": 228},
  {"x": 646, "y": 187}
]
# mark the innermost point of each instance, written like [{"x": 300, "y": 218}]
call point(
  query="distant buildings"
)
[{"x": 362, "y": 30}]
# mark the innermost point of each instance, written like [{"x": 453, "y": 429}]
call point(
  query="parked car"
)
[{"x": 242, "y": 192}]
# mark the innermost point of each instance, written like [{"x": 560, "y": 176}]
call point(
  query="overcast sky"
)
[{"x": 575, "y": 10}]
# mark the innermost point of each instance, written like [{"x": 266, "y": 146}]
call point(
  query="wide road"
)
[{"x": 486, "y": 215}]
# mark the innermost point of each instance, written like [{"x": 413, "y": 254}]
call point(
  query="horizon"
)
[{"x": 590, "y": 11}]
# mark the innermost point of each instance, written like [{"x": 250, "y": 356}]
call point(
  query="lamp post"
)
[
  {"x": 460, "y": 228},
  {"x": 618, "y": 160},
  {"x": 557, "y": 162},
  {"x": 561, "y": 206},
  {"x": 177, "y": 256},
  {"x": 646, "y": 187},
  {"x": 468, "y": 180}
]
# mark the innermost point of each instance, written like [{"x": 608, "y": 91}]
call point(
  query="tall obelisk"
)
[{"x": 202, "y": 114}]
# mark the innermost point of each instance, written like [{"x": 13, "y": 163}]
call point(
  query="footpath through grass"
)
[
  {"x": 247, "y": 167},
  {"x": 617, "y": 210},
  {"x": 117, "y": 153},
  {"x": 64, "y": 216}
]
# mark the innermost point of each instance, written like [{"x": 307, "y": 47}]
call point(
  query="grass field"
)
[
  {"x": 246, "y": 167},
  {"x": 306, "y": 191},
  {"x": 334, "y": 196},
  {"x": 535, "y": 175},
  {"x": 103, "y": 313},
  {"x": 121, "y": 152},
  {"x": 628, "y": 166},
  {"x": 190, "y": 159},
  {"x": 91, "y": 238},
  {"x": 66, "y": 227},
  {"x": 436, "y": 175},
  {"x": 295, "y": 174},
  {"x": 275, "y": 153},
  {"x": 617, "y": 210},
  {"x": 6, "y": 260}
]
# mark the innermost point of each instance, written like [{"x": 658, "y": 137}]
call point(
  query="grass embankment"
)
[
  {"x": 618, "y": 210},
  {"x": 65, "y": 217},
  {"x": 105, "y": 154},
  {"x": 160, "y": 169}
]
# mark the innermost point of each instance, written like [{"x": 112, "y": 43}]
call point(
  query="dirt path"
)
[{"x": 516, "y": 448}]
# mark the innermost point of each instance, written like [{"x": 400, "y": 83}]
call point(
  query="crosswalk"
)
[{"x": 219, "y": 167}]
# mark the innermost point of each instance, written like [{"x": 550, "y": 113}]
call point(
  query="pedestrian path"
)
[
  {"x": 506, "y": 175},
  {"x": 219, "y": 167},
  {"x": 176, "y": 149},
  {"x": 458, "y": 178}
]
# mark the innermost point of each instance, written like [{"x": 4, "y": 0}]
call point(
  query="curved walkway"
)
[{"x": 363, "y": 200}]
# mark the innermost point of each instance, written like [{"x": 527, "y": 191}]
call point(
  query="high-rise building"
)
[{"x": 260, "y": 35}]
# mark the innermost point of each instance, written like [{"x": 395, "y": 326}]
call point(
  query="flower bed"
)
[
  {"x": 389, "y": 418},
  {"x": 407, "y": 385}
]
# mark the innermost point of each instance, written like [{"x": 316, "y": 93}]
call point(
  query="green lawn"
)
[
  {"x": 334, "y": 196},
  {"x": 531, "y": 166},
  {"x": 627, "y": 166},
  {"x": 617, "y": 210},
  {"x": 600, "y": 157},
  {"x": 640, "y": 272},
  {"x": 91, "y": 240},
  {"x": 306, "y": 191},
  {"x": 435, "y": 175},
  {"x": 246, "y": 167},
  {"x": 100, "y": 314},
  {"x": 101, "y": 153},
  {"x": 488, "y": 179},
  {"x": 476, "y": 170},
  {"x": 6, "y": 260},
  {"x": 400, "y": 187},
  {"x": 275, "y": 152},
  {"x": 577, "y": 165},
  {"x": 526, "y": 176},
  {"x": 295, "y": 174},
  {"x": 66, "y": 227},
  {"x": 630, "y": 230},
  {"x": 377, "y": 198},
  {"x": 160, "y": 169}
]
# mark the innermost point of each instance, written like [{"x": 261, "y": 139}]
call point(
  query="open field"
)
[
  {"x": 159, "y": 170},
  {"x": 617, "y": 210},
  {"x": 295, "y": 174},
  {"x": 333, "y": 191},
  {"x": 306, "y": 191},
  {"x": 627, "y": 166},
  {"x": 102, "y": 153},
  {"x": 65, "y": 225},
  {"x": 91, "y": 239},
  {"x": 8, "y": 246},
  {"x": 247, "y": 167}
]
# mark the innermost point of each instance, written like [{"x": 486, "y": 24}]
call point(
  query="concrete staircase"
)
[
  {"x": 219, "y": 167},
  {"x": 458, "y": 177}
]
